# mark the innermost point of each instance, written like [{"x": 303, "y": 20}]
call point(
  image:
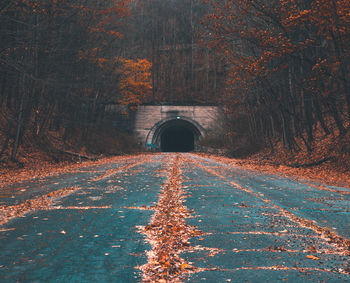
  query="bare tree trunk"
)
[
  {"x": 5, "y": 145},
  {"x": 192, "y": 47},
  {"x": 207, "y": 75},
  {"x": 19, "y": 123}
]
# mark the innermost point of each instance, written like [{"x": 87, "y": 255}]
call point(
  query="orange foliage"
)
[
  {"x": 271, "y": 29},
  {"x": 135, "y": 84}
]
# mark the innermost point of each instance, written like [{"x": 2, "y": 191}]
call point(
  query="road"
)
[{"x": 173, "y": 218}]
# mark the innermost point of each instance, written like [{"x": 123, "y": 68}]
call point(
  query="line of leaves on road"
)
[
  {"x": 43, "y": 202},
  {"x": 112, "y": 172},
  {"x": 168, "y": 233}
]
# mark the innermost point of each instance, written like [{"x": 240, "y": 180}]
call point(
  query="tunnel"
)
[
  {"x": 176, "y": 135},
  {"x": 177, "y": 139}
]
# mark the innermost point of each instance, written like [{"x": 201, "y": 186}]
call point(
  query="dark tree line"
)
[
  {"x": 46, "y": 82},
  {"x": 166, "y": 32},
  {"x": 61, "y": 62},
  {"x": 284, "y": 63},
  {"x": 289, "y": 65}
]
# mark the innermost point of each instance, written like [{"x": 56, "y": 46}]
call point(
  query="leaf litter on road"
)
[
  {"x": 168, "y": 233},
  {"x": 43, "y": 202}
]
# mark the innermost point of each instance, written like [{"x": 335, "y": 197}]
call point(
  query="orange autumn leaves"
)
[
  {"x": 287, "y": 63},
  {"x": 256, "y": 36},
  {"x": 102, "y": 22},
  {"x": 108, "y": 19},
  {"x": 135, "y": 84}
]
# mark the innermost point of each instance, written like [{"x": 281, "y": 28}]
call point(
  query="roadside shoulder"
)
[{"x": 324, "y": 173}]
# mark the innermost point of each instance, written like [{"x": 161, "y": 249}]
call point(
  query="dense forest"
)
[
  {"x": 289, "y": 65},
  {"x": 167, "y": 34},
  {"x": 279, "y": 68}
]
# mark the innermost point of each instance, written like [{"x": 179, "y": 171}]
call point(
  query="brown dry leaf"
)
[{"x": 312, "y": 257}]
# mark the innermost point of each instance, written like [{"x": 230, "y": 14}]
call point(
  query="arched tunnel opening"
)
[{"x": 177, "y": 138}]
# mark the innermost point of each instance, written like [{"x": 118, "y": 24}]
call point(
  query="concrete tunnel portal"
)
[
  {"x": 174, "y": 128},
  {"x": 176, "y": 135}
]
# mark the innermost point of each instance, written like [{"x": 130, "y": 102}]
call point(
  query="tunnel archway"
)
[{"x": 175, "y": 135}]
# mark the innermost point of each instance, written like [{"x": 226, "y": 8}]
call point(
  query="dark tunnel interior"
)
[{"x": 177, "y": 138}]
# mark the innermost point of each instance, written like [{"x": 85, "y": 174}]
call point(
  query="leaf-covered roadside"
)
[
  {"x": 323, "y": 173},
  {"x": 40, "y": 203},
  {"x": 41, "y": 169}
]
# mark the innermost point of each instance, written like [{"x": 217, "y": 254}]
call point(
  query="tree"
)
[
  {"x": 46, "y": 83},
  {"x": 135, "y": 83},
  {"x": 289, "y": 64}
]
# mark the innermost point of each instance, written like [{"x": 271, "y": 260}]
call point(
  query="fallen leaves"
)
[
  {"x": 121, "y": 168},
  {"x": 146, "y": 208},
  {"x": 5, "y": 230},
  {"x": 39, "y": 169},
  {"x": 326, "y": 173},
  {"x": 342, "y": 243},
  {"x": 79, "y": 207},
  {"x": 312, "y": 257},
  {"x": 40, "y": 203},
  {"x": 168, "y": 233}
]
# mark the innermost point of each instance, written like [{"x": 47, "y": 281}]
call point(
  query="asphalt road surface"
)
[{"x": 172, "y": 218}]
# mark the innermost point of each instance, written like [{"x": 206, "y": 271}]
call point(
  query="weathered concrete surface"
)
[
  {"x": 148, "y": 122},
  {"x": 150, "y": 119},
  {"x": 253, "y": 224}
]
